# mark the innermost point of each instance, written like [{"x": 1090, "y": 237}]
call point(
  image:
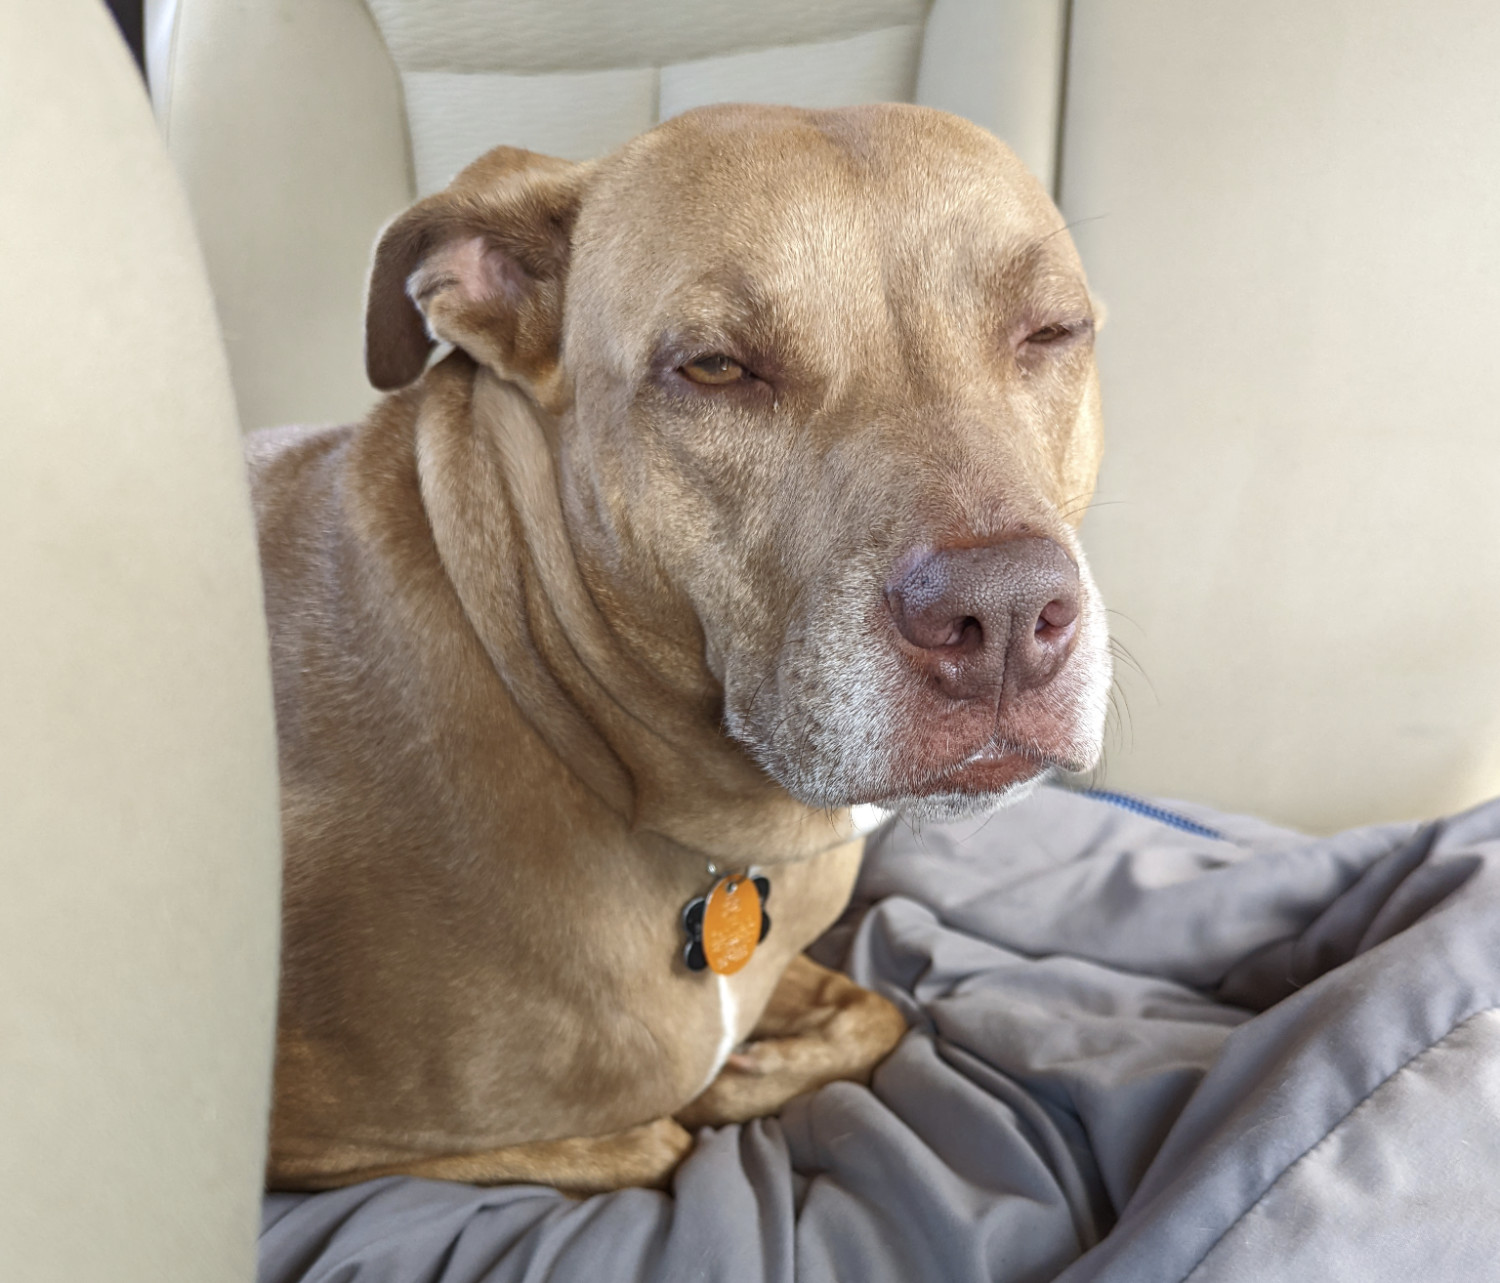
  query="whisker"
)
[
  {"x": 1070, "y": 509},
  {"x": 1121, "y": 652},
  {"x": 1129, "y": 619}
]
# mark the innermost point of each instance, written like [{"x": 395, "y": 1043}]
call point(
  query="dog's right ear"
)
[{"x": 481, "y": 264}]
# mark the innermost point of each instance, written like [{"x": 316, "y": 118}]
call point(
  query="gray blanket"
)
[{"x": 1143, "y": 1048}]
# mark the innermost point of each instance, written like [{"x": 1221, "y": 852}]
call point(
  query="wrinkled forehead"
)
[{"x": 822, "y": 217}]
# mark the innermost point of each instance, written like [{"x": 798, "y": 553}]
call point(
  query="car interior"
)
[{"x": 1287, "y": 214}]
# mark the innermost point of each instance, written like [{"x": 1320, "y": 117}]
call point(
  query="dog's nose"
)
[{"x": 1001, "y": 615}]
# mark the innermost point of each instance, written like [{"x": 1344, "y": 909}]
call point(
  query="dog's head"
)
[{"x": 824, "y": 387}]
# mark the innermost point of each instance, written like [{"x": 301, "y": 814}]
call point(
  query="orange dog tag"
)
[{"x": 725, "y": 925}]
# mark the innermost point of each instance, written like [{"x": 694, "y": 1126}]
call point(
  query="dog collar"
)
[{"x": 724, "y": 926}]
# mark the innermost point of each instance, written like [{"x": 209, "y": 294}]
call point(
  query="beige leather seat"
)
[
  {"x": 1288, "y": 210},
  {"x": 139, "y": 854}
]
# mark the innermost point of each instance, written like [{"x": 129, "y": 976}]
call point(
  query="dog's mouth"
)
[{"x": 997, "y": 768}]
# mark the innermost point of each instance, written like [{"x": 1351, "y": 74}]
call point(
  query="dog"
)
[{"x": 740, "y": 512}]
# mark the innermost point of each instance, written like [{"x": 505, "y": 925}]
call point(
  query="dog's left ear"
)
[{"x": 482, "y": 265}]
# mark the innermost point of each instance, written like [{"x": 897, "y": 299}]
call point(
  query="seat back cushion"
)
[
  {"x": 139, "y": 834},
  {"x": 1290, "y": 211}
]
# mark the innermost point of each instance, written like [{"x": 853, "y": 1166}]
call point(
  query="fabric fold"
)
[{"x": 1139, "y": 1053}]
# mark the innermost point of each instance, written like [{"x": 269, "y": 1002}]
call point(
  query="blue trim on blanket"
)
[{"x": 1152, "y": 812}]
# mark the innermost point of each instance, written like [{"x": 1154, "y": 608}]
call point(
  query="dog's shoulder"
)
[{"x": 272, "y": 455}]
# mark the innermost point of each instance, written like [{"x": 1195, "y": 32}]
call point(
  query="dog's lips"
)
[
  {"x": 995, "y": 767},
  {"x": 977, "y": 748}
]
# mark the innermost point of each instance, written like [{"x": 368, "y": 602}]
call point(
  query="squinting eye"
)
[
  {"x": 1060, "y": 333},
  {"x": 714, "y": 371}
]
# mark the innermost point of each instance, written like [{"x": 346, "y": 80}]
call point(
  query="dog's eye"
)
[
  {"x": 714, "y": 371},
  {"x": 1058, "y": 333}
]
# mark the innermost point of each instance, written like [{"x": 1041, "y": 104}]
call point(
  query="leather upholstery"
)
[
  {"x": 285, "y": 122},
  {"x": 577, "y": 114},
  {"x": 139, "y": 844},
  {"x": 532, "y": 37},
  {"x": 1290, "y": 210}
]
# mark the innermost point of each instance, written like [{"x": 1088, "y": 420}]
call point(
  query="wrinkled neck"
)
[{"x": 598, "y": 658}]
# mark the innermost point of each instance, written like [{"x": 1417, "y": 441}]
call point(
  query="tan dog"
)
[{"x": 745, "y": 504}]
